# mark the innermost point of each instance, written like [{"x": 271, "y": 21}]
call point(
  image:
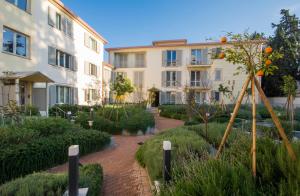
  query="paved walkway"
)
[{"x": 122, "y": 174}]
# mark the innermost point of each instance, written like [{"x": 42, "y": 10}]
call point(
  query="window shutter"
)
[
  {"x": 136, "y": 79},
  {"x": 178, "y": 78},
  {"x": 209, "y": 56},
  {"x": 70, "y": 28},
  {"x": 75, "y": 63},
  {"x": 214, "y": 53},
  {"x": 164, "y": 58},
  {"x": 51, "y": 16},
  {"x": 75, "y": 96},
  {"x": 163, "y": 79},
  {"x": 179, "y": 58},
  {"x": 51, "y": 55},
  {"x": 98, "y": 47},
  {"x": 178, "y": 98},
  {"x": 64, "y": 24},
  {"x": 205, "y": 56},
  {"x": 98, "y": 71},
  {"x": 162, "y": 98},
  {"x": 52, "y": 95},
  {"x": 72, "y": 96},
  {"x": 87, "y": 68},
  {"x": 28, "y": 8},
  {"x": 86, "y": 40},
  {"x": 142, "y": 79}
]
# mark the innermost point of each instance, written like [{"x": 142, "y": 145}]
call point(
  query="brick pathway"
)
[{"x": 122, "y": 174}]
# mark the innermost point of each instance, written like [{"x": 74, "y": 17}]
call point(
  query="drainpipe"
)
[
  {"x": 47, "y": 100},
  {"x": 17, "y": 91}
]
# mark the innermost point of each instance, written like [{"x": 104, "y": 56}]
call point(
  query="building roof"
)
[
  {"x": 71, "y": 14},
  {"x": 105, "y": 64},
  {"x": 171, "y": 43}
]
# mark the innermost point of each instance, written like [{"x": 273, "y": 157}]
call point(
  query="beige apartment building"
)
[
  {"x": 48, "y": 55},
  {"x": 173, "y": 66}
]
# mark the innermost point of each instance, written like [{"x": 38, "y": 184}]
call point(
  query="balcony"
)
[
  {"x": 196, "y": 63},
  {"x": 204, "y": 84}
]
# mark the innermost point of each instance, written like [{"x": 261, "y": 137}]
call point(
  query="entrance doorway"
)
[{"x": 155, "y": 103}]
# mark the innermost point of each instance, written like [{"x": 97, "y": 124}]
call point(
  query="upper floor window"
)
[
  {"x": 60, "y": 22},
  {"x": 216, "y": 52},
  {"x": 91, "y": 43},
  {"x": 171, "y": 78},
  {"x": 199, "y": 78},
  {"x": 199, "y": 57},
  {"x": 15, "y": 42},
  {"x": 90, "y": 69},
  {"x": 91, "y": 95},
  {"x": 22, "y": 4},
  {"x": 218, "y": 75},
  {"x": 171, "y": 57},
  {"x": 140, "y": 59},
  {"x": 59, "y": 58},
  {"x": 121, "y": 60}
]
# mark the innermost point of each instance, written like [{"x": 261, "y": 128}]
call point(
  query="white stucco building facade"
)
[
  {"x": 173, "y": 66},
  {"x": 48, "y": 55}
]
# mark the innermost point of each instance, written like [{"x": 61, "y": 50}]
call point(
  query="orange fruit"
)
[
  {"x": 223, "y": 40},
  {"x": 222, "y": 55},
  {"x": 260, "y": 73},
  {"x": 268, "y": 62},
  {"x": 268, "y": 50}
]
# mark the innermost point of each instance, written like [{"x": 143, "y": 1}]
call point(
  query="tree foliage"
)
[
  {"x": 121, "y": 86},
  {"x": 286, "y": 40}
]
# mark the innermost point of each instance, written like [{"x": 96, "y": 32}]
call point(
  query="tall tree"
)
[{"x": 286, "y": 40}]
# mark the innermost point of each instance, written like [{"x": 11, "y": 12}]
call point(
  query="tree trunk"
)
[{"x": 253, "y": 128}]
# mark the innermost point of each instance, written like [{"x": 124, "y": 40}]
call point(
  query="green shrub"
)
[
  {"x": 42, "y": 153},
  {"x": 30, "y": 110},
  {"x": 184, "y": 144},
  {"x": 173, "y": 111},
  {"x": 212, "y": 177},
  {"x": 91, "y": 176}
]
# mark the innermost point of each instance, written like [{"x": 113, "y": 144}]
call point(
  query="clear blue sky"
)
[{"x": 139, "y": 22}]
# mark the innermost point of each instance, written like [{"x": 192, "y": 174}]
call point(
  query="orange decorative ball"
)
[
  {"x": 268, "y": 62},
  {"x": 268, "y": 50},
  {"x": 260, "y": 73},
  {"x": 222, "y": 55},
  {"x": 223, "y": 40}
]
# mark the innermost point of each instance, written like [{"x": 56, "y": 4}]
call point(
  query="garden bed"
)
[
  {"x": 41, "y": 143},
  {"x": 91, "y": 177},
  {"x": 202, "y": 174}
]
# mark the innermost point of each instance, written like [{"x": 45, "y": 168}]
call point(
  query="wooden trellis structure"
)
[{"x": 254, "y": 84}]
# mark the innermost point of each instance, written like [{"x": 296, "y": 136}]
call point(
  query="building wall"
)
[
  {"x": 35, "y": 25},
  {"x": 153, "y": 70}
]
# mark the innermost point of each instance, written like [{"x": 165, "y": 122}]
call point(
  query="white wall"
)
[{"x": 35, "y": 25}]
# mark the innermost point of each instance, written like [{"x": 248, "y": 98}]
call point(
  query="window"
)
[
  {"x": 14, "y": 42},
  {"x": 58, "y": 21},
  {"x": 121, "y": 60},
  {"x": 171, "y": 97},
  {"x": 200, "y": 97},
  {"x": 91, "y": 95},
  {"x": 93, "y": 44},
  {"x": 138, "y": 79},
  {"x": 198, "y": 78},
  {"x": 62, "y": 59},
  {"x": 22, "y": 4},
  {"x": 140, "y": 60},
  {"x": 63, "y": 95},
  {"x": 218, "y": 75},
  {"x": 106, "y": 76},
  {"x": 171, "y": 57},
  {"x": 216, "y": 52},
  {"x": 216, "y": 95},
  {"x": 171, "y": 78},
  {"x": 199, "y": 57}
]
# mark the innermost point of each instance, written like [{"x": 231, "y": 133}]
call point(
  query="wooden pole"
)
[
  {"x": 275, "y": 120},
  {"x": 234, "y": 114},
  {"x": 253, "y": 127}
]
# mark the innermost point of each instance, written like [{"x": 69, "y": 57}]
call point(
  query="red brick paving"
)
[{"x": 122, "y": 175}]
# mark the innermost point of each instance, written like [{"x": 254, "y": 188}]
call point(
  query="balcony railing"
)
[
  {"x": 192, "y": 62},
  {"x": 201, "y": 84}
]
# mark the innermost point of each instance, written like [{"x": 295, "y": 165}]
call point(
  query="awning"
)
[{"x": 26, "y": 76}]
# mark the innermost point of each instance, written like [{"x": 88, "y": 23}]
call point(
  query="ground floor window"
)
[
  {"x": 63, "y": 95},
  {"x": 170, "y": 97},
  {"x": 216, "y": 95},
  {"x": 91, "y": 95},
  {"x": 200, "y": 97}
]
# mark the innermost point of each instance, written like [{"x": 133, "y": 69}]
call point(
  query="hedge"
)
[
  {"x": 40, "y": 153},
  {"x": 115, "y": 120},
  {"x": 91, "y": 176},
  {"x": 184, "y": 144}
]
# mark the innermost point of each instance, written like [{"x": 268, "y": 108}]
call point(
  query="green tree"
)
[
  {"x": 121, "y": 87},
  {"x": 286, "y": 41},
  {"x": 289, "y": 89}
]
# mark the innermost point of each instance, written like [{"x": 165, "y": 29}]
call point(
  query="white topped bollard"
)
[
  {"x": 167, "y": 161},
  {"x": 73, "y": 170}
]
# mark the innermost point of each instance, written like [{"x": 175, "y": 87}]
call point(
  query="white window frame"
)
[
  {"x": 171, "y": 82},
  {"x": 16, "y": 3},
  {"x": 15, "y": 33},
  {"x": 171, "y": 62},
  {"x": 171, "y": 97},
  {"x": 66, "y": 90}
]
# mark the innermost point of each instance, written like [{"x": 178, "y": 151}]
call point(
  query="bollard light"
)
[
  {"x": 69, "y": 113},
  {"x": 167, "y": 161},
  {"x": 91, "y": 123},
  {"x": 73, "y": 170}
]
